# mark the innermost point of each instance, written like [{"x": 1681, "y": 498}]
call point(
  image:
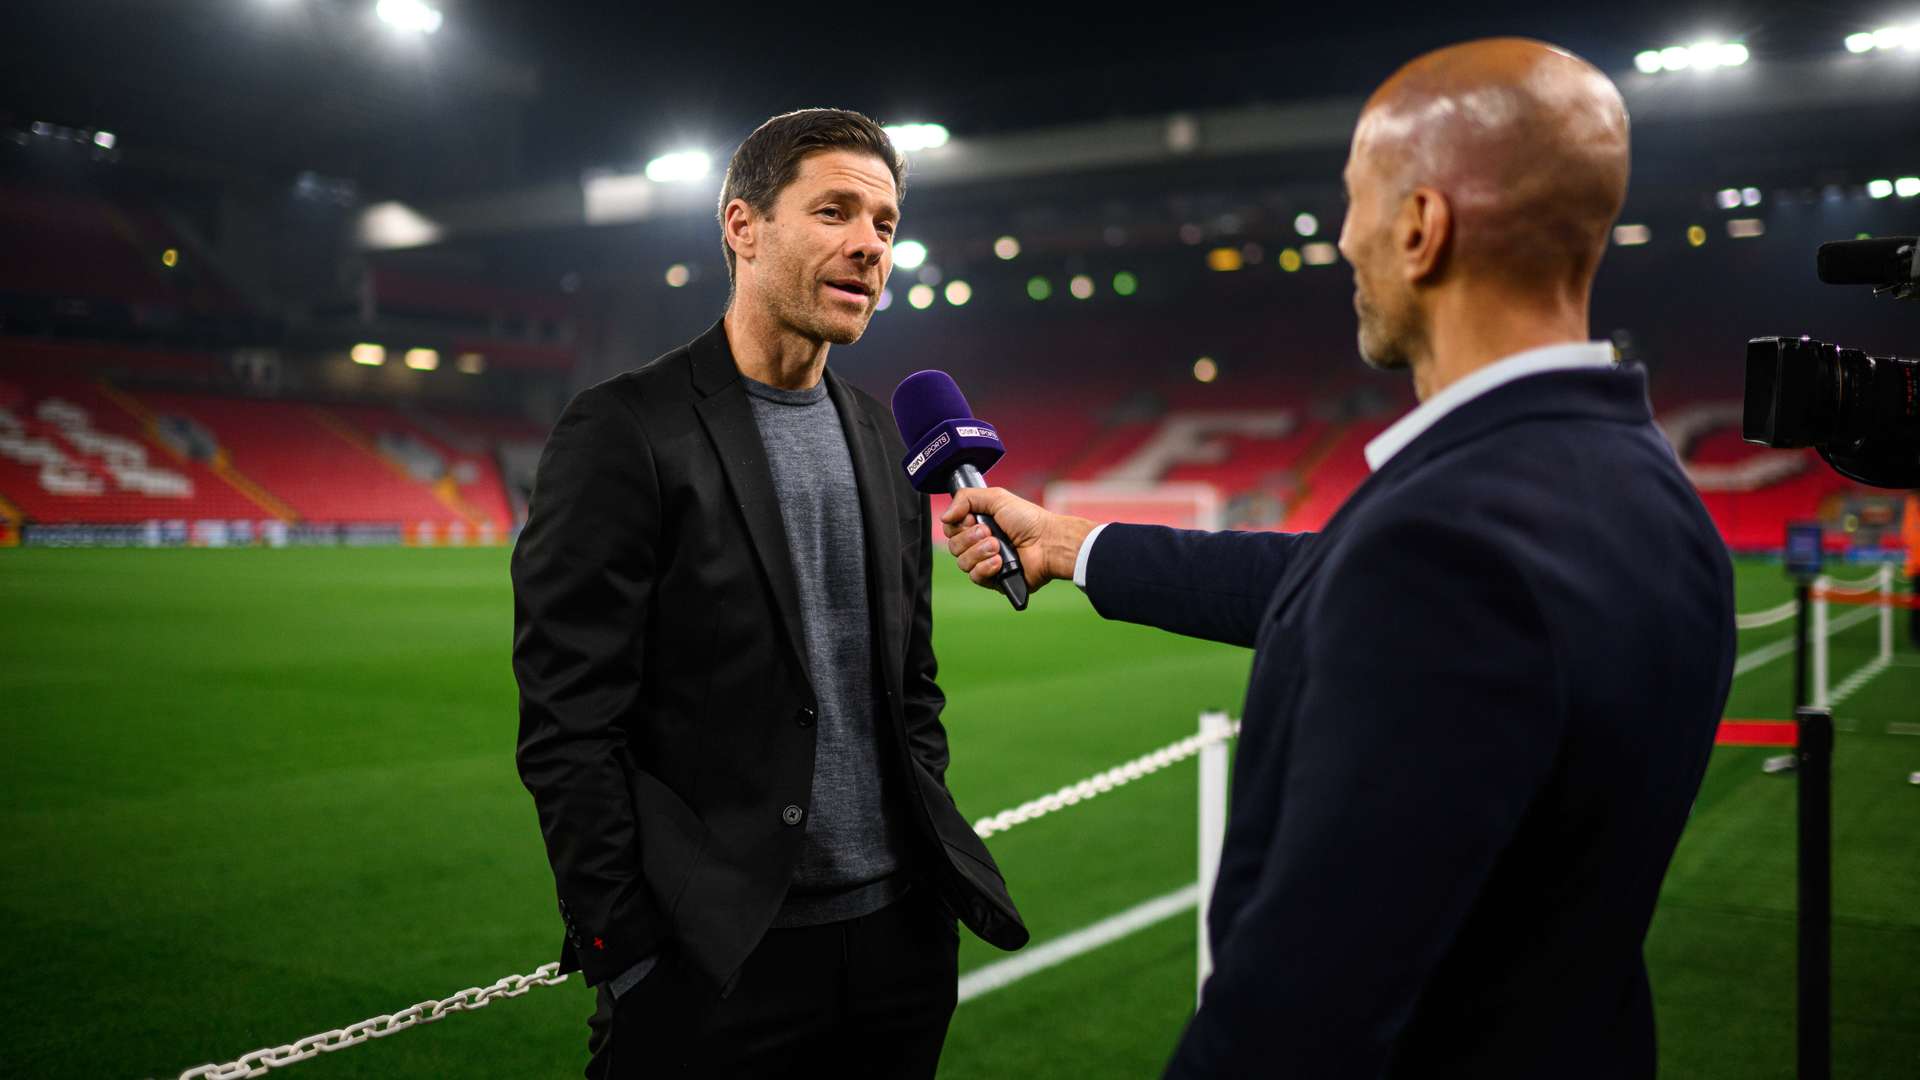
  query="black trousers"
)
[{"x": 868, "y": 997}]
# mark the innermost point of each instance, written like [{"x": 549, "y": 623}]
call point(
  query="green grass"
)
[{"x": 246, "y": 796}]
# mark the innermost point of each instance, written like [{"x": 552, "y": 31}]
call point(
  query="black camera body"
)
[{"x": 1861, "y": 412}]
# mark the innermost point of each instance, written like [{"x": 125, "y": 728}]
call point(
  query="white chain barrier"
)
[
  {"x": 1101, "y": 783},
  {"x": 1757, "y": 619},
  {"x": 260, "y": 1062}
]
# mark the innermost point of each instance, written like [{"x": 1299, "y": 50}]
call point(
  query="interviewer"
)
[{"x": 1483, "y": 697}]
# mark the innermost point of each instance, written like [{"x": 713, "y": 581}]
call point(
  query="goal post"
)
[{"x": 1180, "y": 505}]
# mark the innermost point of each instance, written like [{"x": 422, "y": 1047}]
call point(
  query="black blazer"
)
[
  {"x": 666, "y": 716},
  {"x": 1481, "y": 703}
]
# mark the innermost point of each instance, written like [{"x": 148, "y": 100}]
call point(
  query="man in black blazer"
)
[
  {"x": 728, "y": 715},
  {"x": 1483, "y": 696}
]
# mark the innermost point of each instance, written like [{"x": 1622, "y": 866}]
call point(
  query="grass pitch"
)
[{"x": 253, "y": 795}]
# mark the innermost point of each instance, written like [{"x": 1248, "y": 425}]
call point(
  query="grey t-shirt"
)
[{"x": 851, "y": 860}]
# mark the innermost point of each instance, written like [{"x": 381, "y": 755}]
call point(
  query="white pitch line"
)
[
  {"x": 1858, "y": 679},
  {"x": 1895, "y": 727},
  {"x": 1766, "y": 654},
  {"x": 1038, "y": 958}
]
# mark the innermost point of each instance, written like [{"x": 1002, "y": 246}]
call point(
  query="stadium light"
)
[
  {"x": 1205, "y": 370},
  {"x": 423, "y": 359},
  {"x": 1125, "y": 284},
  {"x": 1007, "y": 248},
  {"x": 104, "y": 139},
  {"x": 1859, "y": 43},
  {"x": 1700, "y": 56},
  {"x": 959, "y": 292},
  {"x": 1749, "y": 196},
  {"x": 1907, "y": 187},
  {"x": 1696, "y": 236},
  {"x": 909, "y": 254},
  {"x": 1879, "y": 189},
  {"x": 920, "y": 296},
  {"x": 409, "y": 16},
  {"x": 1081, "y": 286},
  {"x": 1631, "y": 235},
  {"x": 1306, "y": 224},
  {"x": 908, "y": 138},
  {"x": 1039, "y": 288},
  {"x": 470, "y": 363},
  {"x": 1224, "y": 260},
  {"x": 1728, "y": 198},
  {"x": 679, "y": 166},
  {"x": 678, "y": 275},
  {"x": 369, "y": 354},
  {"x": 1320, "y": 254},
  {"x": 170, "y": 258},
  {"x": 1746, "y": 228},
  {"x": 886, "y": 300},
  {"x": 1289, "y": 260}
]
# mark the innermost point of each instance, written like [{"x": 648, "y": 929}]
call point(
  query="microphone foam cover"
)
[{"x": 923, "y": 400}]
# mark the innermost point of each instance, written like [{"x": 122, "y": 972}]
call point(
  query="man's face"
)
[
  {"x": 826, "y": 249},
  {"x": 1389, "y": 319}
]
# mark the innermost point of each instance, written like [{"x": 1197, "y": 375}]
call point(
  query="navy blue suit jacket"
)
[{"x": 1481, "y": 703}]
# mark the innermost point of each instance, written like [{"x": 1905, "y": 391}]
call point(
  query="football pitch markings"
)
[{"x": 1033, "y": 960}]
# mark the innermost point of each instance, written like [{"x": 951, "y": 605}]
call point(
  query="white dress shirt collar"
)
[{"x": 1572, "y": 355}]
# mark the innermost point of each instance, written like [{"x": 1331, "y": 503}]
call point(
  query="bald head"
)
[{"x": 1525, "y": 142}]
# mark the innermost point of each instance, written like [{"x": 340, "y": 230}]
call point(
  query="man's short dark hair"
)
[{"x": 770, "y": 158}]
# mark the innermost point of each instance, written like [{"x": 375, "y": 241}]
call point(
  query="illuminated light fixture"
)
[
  {"x": 1700, "y": 56},
  {"x": 368, "y": 354},
  {"x": 1746, "y": 228},
  {"x": 678, "y": 275},
  {"x": 1039, "y": 288},
  {"x": 423, "y": 359},
  {"x": 1125, "y": 284},
  {"x": 1224, "y": 259},
  {"x": 908, "y": 138},
  {"x": 170, "y": 258},
  {"x": 909, "y": 254},
  {"x": 1728, "y": 198},
  {"x": 1306, "y": 224},
  {"x": 679, "y": 167},
  {"x": 921, "y": 297},
  {"x": 1860, "y": 43},
  {"x": 886, "y": 300},
  {"x": 104, "y": 139},
  {"x": 1879, "y": 189},
  {"x": 470, "y": 363},
  {"x": 1007, "y": 248},
  {"x": 1081, "y": 286},
  {"x": 1696, "y": 236},
  {"x": 1907, "y": 187},
  {"x": 1749, "y": 196},
  {"x": 411, "y": 16},
  {"x": 1320, "y": 254},
  {"x": 1205, "y": 370},
  {"x": 1631, "y": 235},
  {"x": 388, "y": 225},
  {"x": 958, "y": 292},
  {"x": 1290, "y": 260},
  {"x": 1894, "y": 37}
]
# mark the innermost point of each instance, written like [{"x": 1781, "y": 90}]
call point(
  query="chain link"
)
[
  {"x": 260, "y": 1062},
  {"x": 1101, "y": 783}
]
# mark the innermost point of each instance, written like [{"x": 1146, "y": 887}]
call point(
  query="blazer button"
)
[
  {"x": 805, "y": 716},
  {"x": 791, "y": 815}
]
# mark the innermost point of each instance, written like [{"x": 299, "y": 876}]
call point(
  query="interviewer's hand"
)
[{"x": 1048, "y": 543}]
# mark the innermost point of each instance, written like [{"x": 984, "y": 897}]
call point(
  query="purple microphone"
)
[{"x": 947, "y": 449}]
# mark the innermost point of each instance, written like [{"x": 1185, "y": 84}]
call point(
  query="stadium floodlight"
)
[
  {"x": 423, "y": 359},
  {"x": 1728, "y": 198},
  {"x": 409, "y": 16},
  {"x": 1205, "y": 370},
  {"x": 1860, "y": 43},
  {"x": 1225, "y": 260},
  {"x": 1746, "y": 228},
  {"x": 1007, "y": 248},
  {"x": 958, "y": 292},
  {"x": 678, "y": 275},
  {"x": 1321, "y": 254},
  {"x": 1700, "y": 56},
  {"x": 1306, "y": 224},
  {"x": 368, "y": 354},
  {"x": 1892, "y": 37},
  {"x": 1631, "y": 235},
  {"x": 1125, "y": 283},
  {"x": 920, "y": 296},
  {"x": 1879, "y": 189},
  {"x": 470, "y": 363},
  {"x": 679, "y": 166},
  {"x": 388, "y": 225},
  {"x": 908, "y": 138},
  {"x": 1749, "y": 196},
  {"x": 1081, "y": 286},
  {"x": 1648, "y": 62},
  {"x": 104, "y": 139},
  {"x": 1039, "y": 288},
  {"x": 1907, "y": 187},
  {"x": 170, "y": 258},
  {"x": 909, "y": 254},
  {"x": 1290, "y": 260}
]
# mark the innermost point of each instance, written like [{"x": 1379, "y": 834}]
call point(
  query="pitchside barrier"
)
[{"x": 1209, "y": 744}]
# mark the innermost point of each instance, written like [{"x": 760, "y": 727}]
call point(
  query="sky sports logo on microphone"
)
[{"x": 913, "y": 467}]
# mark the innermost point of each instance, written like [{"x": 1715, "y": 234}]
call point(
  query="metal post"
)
[
  {"x": 1820, "y": 648},
  {"x": 1213, "y": 831},
  {"x": 1802, "y": 613},
  {"x": 1815, "y": 753},
  {"x": 1886, "y": 612}
]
